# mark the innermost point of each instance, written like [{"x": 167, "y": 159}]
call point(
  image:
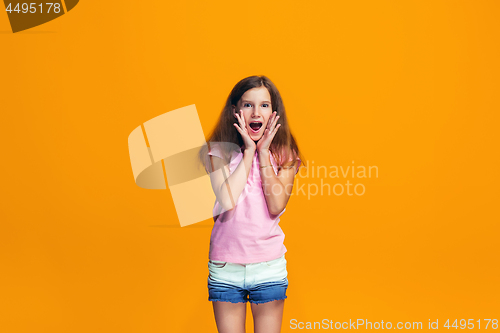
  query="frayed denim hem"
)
[
  {"x": 224, "y": 300},
  {"x": 275, "y": 299}
]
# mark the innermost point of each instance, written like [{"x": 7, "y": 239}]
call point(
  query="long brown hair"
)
[{"x": 283, "y": 147}]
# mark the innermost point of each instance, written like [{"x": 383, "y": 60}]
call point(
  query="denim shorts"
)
[{"x": 256, "y": 283}]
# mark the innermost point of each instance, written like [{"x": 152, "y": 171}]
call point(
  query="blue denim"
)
[{"x": 240, "y": 283}]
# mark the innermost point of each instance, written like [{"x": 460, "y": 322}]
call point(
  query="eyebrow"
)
[{"x": 244, "y": 101}]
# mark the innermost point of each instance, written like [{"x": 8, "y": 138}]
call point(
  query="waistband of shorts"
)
[{"x": 244, "y": 264}]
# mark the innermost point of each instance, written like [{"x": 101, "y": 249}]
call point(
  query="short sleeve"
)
[
  {"x": 214, "y": 150},
  {"x": 299, "y": 162}
]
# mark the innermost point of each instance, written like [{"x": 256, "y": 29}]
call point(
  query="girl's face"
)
[{"x": 256, "y": 108}]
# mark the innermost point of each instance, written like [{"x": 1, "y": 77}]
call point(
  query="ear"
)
[{"x": 233, "y": 108}]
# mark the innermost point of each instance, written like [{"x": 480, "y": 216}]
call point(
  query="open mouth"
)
[{"x": 255, "y": 126}]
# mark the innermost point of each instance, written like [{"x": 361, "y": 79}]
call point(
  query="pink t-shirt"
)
[{"x": 248, "y": 233}]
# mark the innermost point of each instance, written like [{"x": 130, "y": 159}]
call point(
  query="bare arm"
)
[
  {"x": 277, "y": 188},
  {"x": 228, "y": 188}
]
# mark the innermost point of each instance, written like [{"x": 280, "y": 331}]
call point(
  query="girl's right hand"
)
[{"x": 242, "y": 129}]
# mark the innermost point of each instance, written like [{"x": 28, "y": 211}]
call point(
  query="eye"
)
[
  {"x": 266, "y": 105},
  {"x": 247, "y": 105}
]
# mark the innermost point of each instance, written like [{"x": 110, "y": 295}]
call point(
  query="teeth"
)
[{"x": 256, "y": 124}]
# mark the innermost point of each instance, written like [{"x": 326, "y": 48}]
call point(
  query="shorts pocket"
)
[{"x": 217, "y": 264}]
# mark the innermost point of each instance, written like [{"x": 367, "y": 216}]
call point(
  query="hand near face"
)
[
  {"x": 242, "y": 129},
  {"x": 269, "y": 133}
]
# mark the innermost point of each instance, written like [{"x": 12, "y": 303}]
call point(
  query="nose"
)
[{"x": 256, "y": 112}]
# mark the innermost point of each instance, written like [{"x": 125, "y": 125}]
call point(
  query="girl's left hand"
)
[{"x": 269, "y": 132}]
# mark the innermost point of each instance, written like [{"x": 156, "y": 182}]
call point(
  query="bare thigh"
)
[
  {"x": 230, "y": 317},
  {"x": 267, "y": 317}
]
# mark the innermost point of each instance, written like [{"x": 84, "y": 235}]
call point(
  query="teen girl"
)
[{"x": 252, "y": 158}]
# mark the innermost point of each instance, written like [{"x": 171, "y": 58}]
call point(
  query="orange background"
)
[{"x": 410, "y": 87}]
